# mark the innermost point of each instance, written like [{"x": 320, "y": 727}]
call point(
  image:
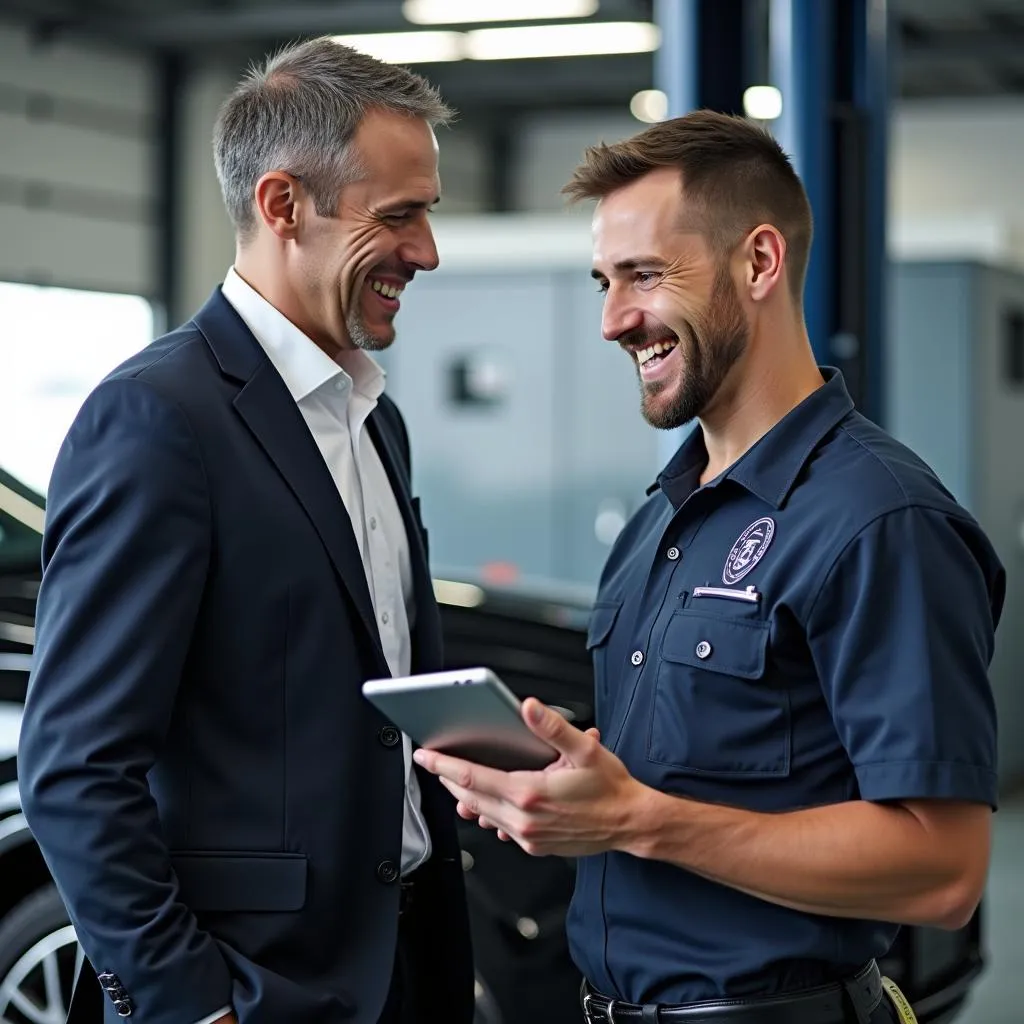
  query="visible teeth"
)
[
  {"x": 389, "y": 291},
  {"x": 657, "y": 349}
]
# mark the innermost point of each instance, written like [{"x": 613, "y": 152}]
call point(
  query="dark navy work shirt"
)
[{"x": 813, "y": 626}]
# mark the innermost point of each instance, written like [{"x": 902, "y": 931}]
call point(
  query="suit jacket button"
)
[
  {"x": 387, "y": 872},
  {"x": 123, "y": 1007},
  {"x": 389, "y": 736}
]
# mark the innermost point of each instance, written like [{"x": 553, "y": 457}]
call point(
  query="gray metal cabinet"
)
[
  {"x": 528, "y": 445},
  {"x": 955, "y": 394}
]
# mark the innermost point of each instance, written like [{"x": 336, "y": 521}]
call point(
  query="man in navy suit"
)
[{"x": 231, "y": 548}]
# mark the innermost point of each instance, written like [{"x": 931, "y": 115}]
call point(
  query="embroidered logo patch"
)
[{"x": 748, "y": 550}]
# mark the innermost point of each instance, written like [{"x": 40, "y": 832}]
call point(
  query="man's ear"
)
[
  {"x": 765, "y": 261},
  {"x": 276, "y": 197}
]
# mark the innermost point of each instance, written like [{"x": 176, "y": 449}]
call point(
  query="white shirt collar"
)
[{"x": 303, "y": 365}]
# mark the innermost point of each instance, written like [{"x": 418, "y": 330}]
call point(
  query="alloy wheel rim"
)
[{"x": 34, "y": 989}]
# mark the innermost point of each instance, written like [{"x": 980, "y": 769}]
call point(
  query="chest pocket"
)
[
  {"x": 602, "y": 619},
  {"x": 712, "y": 710}
]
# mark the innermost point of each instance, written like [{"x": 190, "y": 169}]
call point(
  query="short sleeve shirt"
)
[{"x": 813, "y": 626}]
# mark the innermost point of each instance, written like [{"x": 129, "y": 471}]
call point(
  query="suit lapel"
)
[
  {"x": 426, "y": 647},
  {"x": 272, "y": 416}
]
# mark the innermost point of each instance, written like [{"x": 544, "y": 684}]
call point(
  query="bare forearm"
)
[{"x": 854, "y": 859}]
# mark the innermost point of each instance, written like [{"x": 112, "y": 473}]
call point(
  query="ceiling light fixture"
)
[
  {"x": 762, "y": 102},
  {"x": 408, "y": 47},
  {"x": 583, "y": 39},
  {"x": 649, "y": 105},
  {"x": 456, "y": 12}
]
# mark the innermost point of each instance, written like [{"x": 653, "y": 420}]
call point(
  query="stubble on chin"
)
[{"x": 362, "y": 338}]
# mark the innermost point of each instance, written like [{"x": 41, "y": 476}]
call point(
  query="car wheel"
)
[{"x": 38, "y": 960}]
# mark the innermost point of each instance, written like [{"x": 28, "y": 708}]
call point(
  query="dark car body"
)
[{"x": 534, "y": 638}]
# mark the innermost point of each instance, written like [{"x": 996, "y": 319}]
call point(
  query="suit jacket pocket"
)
[{"x": 240, "y": 881}]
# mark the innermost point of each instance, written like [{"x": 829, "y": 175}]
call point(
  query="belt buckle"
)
[{"x": 609, "y": 1010}]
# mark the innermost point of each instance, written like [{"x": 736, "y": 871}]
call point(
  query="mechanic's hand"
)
[{"x": 582, "y": 804}]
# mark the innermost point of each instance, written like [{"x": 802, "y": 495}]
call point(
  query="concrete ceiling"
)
[{"x": 944, "y": 48}]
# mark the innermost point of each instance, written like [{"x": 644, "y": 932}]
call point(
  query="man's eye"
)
[
  {"x": 602, "y": 287},
  {"x": 646, "y": 277}
]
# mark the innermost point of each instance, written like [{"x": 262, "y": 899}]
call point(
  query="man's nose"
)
[
  {"x": 618, "y": 317},
  {"x": 421, "y": 251}
]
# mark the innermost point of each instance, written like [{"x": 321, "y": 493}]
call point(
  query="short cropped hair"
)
[{"x": 734, "y": 173}]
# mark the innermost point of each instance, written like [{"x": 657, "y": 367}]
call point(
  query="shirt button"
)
[
  {"x": 373, "y": 522},
  {"x": 703, "y": 650},
  {"x": 637, "y": 658},
  {"x": 389, "y": 736},
  {"x": 673, "y": 554},
  {"x": 339, "y": 385},
  {"x": 385, "y": 618},
  {"x": 387, "y": 872}
]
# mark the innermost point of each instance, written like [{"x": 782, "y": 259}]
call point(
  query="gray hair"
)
[{"x": 298, "y": 113}]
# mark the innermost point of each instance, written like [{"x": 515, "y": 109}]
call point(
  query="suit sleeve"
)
[{"x": 125, "y": 553}]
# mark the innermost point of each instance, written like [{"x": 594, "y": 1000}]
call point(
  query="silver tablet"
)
[{"x": 468, "y": 713}]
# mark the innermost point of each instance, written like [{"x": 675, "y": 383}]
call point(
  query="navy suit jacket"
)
[{"x": 220, "y": 807}]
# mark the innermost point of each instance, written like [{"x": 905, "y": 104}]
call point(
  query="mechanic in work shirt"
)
[{"x": 791, "y": 639}]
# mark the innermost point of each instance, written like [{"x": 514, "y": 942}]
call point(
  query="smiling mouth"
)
[
  {"x": 387, "y": 291},
  {"x": 658, "y": 351}
]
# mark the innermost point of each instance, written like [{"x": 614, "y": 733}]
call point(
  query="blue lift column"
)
[
  {"x": 830, "y": 61},
  {"x": 702, "y": 62}
]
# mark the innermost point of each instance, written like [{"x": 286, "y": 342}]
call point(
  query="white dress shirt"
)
[{"x": 335, "y": 399}]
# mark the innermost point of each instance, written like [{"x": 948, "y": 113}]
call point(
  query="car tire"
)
[{"x": 36, "y": 929}]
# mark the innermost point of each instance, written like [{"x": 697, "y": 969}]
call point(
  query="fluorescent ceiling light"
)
[
  {"x": 456, "y": 12},
  {"x": 408, "y": 47},
  {"x": 579, "y": 40},
  {"x": 649, "y": 105},
  {"x": 762, "y": 102},
  {"x": 582, "y": 39}
]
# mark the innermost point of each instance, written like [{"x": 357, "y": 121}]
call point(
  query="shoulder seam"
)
[
  {"x": 173, "y": 403},
  {"x": 874, "y": 455},
  {"x": 137, "y": 374},
  {"x": 906, "y": 506},
  {"x": 948, "y": 507}
]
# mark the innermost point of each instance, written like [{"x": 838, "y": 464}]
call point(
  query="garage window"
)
[{"x": 56, "y": 344}]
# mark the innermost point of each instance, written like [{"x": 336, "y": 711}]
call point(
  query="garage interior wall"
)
[{"x": 77, "y": 146}]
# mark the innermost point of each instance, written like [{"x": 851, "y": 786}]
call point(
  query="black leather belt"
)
[{"x": 845, "y": 1002}]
